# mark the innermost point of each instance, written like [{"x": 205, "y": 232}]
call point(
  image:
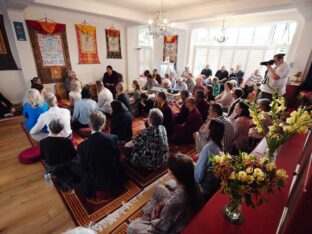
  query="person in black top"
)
[
  {"x": 209, "y": 98},
  {"x": 6, "y": 107},
  {"x": 222, "y": 74},
  {"x": 206, "y": 71},
  {"x": 58, "y": 152},
  {"x": 239, "y": 74},
  {"x": 232, "y": 75},
  {"x": 121, "y": 121},
  {"x": 111, "y": 78},
  {"x": 121, "y": 96},
  {"x": 99, "y": 156}
]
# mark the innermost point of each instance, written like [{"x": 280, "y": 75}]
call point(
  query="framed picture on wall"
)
[{"x": 19, "y": 31}]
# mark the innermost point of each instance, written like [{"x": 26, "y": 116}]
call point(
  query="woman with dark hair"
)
[
  {"x": 241, "y": 126},
  {"x": 35, "y": 80},
  {"x": 121, "y": 121},
  {"x": 201, "y": 105},
  {"x": 209, "y": 184},
  {"x": 226, "y": 97},
  {"x": 170, "y": 209},
  {"x": 209, "y": 94}
]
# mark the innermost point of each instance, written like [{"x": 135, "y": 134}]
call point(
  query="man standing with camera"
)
[{"x": 276, "y": 77}]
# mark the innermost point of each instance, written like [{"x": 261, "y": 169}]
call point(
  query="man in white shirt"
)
[
  {"x": 276, "y": 78},
  {"x": 44, "y": 119}
]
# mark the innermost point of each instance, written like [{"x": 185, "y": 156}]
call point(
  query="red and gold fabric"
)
[
  {"x": 87, "y": 45},
  {"x": 113, "y": 43},
  {"x": 171, "y": 48}
]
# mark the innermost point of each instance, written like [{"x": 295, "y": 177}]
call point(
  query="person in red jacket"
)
[
  {"x": 156, "y": 76},
  {"x": 201, "y": 104}
]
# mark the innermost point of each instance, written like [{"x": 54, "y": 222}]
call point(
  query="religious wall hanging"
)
[
  {"x": 171, "y": 48},
  {"x": 113, "y": 43},
  {"x": 6, "y": 58},
  {"x": 49, "y": 43},
  {"x": 86, "y": 36},
  {"x": 19, "y": 31}
]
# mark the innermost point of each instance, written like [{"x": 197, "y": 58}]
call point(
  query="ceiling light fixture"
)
[{"x": 222, "y": 35}]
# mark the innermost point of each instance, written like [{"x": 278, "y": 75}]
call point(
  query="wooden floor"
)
[{"x": 27, "y": 205}]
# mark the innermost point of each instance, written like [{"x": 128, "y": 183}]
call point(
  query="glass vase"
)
[
  {"x": 232, "y": 212},
  {"x": 271, "y": 153}
]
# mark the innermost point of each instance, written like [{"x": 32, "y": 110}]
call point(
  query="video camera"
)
[{"x": 270, "y": 62}]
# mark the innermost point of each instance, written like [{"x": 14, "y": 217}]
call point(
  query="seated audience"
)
[
  {"x": 201, "y": 137},
  {"x": 122, "y": 96},
  {"x": 57, "y": 152},
  {"x": 241, "y": 126},
  {"x": 239, "y": 74},
  {"x": 45, "y": 118},
  {"x": 34, "y": 105},
  {"x": 206, "y": 71},
  {"x": 83, "y": 109},
  {"x": 150, "y": 149},
  {"x": 222, "y": 74},
  {"x": 186, "y": 71},
  {"x": 172, "y": 78},
  {"x": 162, "y": 104},
  {"x": 209, "y": 97},
  {"x": 166, "y": 83},
  {"x": 121, "y": 121},
  {"x": 169, "y": 210},
  {"x": 111, "y": 78},
  {"x": 99, "y": 158},
  {"x": 209, "y": 184},
  {"x": 249, "y": 83},
  {"x": 105, "y": 97},
  {"x": 226, "y": 98},
  {"x": 254, "y": 94},
  {"x": 232, "y": 75},
  {"x": 6, "y": 107},
  {"x": 237, "y": 97},
  {"x": 216, "y": 86},
  {"x": 136, "y": 101},
  {"x": 189, "y": 82},
  {"x": 71, "y": 76},
  {"x": 183, "y": 133},
  {"x": 263, "y": 105},
  {"x": 40, "y": 88},
  {"x": 150, "y": 83},
  {"x": 180, "y": 85},
  {"x": 182, "y": 115},
  {"x": 201, "y": 105},
  {"x": 75, "y": 92},
  {"x": 156, "y": 76},
  {"x": 35, "y": 80},
  {"x": 199, "y": 85}
]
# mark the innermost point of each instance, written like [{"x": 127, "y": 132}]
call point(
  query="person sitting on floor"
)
[
  {"x": 166, "y": 84},
  {"x": 83, "y": 109},
  {"x": 241, "y": 126},
  {"x": 57, "y": 152},
  {"x": 150, "y": 149},
  {"x": 249, "y": 83},
  {"x": 183, "y": 133},
  {"x": 34, "y": 105},
  {"x": 199, "y": 85},
  {"x": 180, "y": 85},
  {"x": 150, "y": 83},
  {"x": 209, "y": 98},
  {"x": 111, "y": 78},
  {"x": 237, "y": 97},
  {"x": 121, "y": 121},
  {"x": 136, "y": 101},
  {"x": 156, "y": 76},
  {"x": 209, "y": 184},
  {"x": 170, "y": 209},
  {"x": 162, "y": 104},
  {"x": 226, "y": 97},
  {"x": 189, "y": 81},
  {"x": 44, "y": 119},
  {"x": 216, "y": 86},
  {"x": 75, "y": 92},
  {"x": 181, "y": 117},
  {"x": 6, "y": 107},
  {"x": 105, "y": 97},
  {"x": 201, "y": 105},
  {"x": 99, "y": 161},
  {"x": 69, "y": 79},
  {"x": 122, "y": 96},
  {"x": 40, "y": 88},
  {"x": 35, "y": 80}
]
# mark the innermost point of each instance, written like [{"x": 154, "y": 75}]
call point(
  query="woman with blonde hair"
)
[
  {"x": 75, "y": 92},
  {"x": 105, "y": 97},
  {"x": 34, "y": 106}
]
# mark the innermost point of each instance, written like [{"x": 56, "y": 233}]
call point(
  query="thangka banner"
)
[
  {"x": 86, "y": 36},
  {"x": 113, "y": 43},
  {"x": 171, "y": 48},
  {"x": 50, "y": 49},
  {"x": 6, "y": 59}
]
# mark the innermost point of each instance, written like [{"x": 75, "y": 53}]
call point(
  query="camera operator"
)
[{"x": 276, "y": 77}]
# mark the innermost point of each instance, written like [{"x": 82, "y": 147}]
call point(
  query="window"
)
[
  {"x": 145, "y": 52},
  {"x": 247, "y": 46}
]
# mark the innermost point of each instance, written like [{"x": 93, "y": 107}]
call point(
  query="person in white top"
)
[
  {"x": 54, "y": 112},
  {"x": 276, "y": 78},
  {"x": 75, "y": 93},
  {"x": 105, "y": 97}
]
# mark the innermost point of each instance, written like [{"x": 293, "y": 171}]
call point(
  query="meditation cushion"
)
[
  {"x": 30, "y": 155},
  {"x": 84, "y": 132}
]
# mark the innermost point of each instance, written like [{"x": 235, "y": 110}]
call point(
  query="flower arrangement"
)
[
  {"x": 246, "y": 177},
  {"x": 282, "y": 127}
]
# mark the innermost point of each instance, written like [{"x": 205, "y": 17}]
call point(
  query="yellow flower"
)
[
  {"x": 258, "y": 172},
  {"x": 250, "y": 179},
  {"x": 233, "y": 176},
  {"x": 245, "y": 156},
  {"x": 263, "y": 160},
  {"x": 242, "y": 176},
  {"x": 219, "y": 159},
  {"x": 270, "y": 166},
  {"x": 281, "y": 174},
  {"x": 297, "y": 121},
  {"x": 249, "y": 170},
  {"x": 260, "y": 178}
]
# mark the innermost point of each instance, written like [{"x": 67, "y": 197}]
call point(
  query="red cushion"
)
[
  {"x": 102, "y": 195},
  {"x": 29, "y": 155},
  {"x": 84, "y": 132}
]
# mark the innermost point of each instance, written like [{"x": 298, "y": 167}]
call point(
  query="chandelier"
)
[
  {"x": 159, "y": 26},
  {"x": 222, "y": 36}
]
